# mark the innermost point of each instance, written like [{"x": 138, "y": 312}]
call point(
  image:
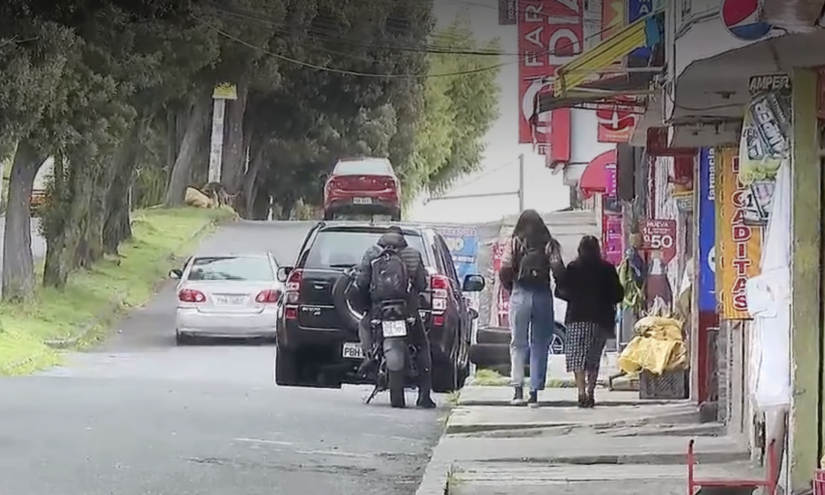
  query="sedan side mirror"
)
[
  {"x": 176, "y": 274},
  {"x": 473, "y": 283},
  {"x": 473, "y": 314},
  {"x": 283, "y": 273}
]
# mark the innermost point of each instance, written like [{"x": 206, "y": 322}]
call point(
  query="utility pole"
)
[
  {"x": 521, "y": 183},
  {"x": 221, "y": 93}
]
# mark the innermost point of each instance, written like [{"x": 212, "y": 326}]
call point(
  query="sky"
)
[{"x": 544, "y": 190}]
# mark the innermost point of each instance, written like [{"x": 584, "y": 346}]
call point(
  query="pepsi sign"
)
[{"x": 741, "y": 18}]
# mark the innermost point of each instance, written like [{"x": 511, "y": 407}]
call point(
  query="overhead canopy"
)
[
  {"x": 572, "y": 75},
  {"x": 591, "y": 94},
  {"x": 595, "y": 175},
  {"x": 793, "y": 15}
]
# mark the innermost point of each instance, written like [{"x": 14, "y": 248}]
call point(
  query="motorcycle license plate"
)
[{"x": 394, "y": 328}]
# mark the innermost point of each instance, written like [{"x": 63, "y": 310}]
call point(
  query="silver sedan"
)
[{"x": 227, "y": 296}]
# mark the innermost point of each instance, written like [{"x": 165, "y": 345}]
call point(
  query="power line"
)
[{"x": 344, "y": 71}]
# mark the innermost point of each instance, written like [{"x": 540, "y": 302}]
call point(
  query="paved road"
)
[{"x": 142, "y": 417}]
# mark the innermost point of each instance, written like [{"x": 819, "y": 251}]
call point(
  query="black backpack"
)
[
  {"x": 533, "y": 264},
  {"x": 390, "y": 280}
]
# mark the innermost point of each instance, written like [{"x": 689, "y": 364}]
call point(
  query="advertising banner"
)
[
  {"x": 550, "y": 33},
  {"x": 706, "y": 299},
  {"x": 659, "y": 240},
  {"x": 636, "y": 9},
  {"x": 739, "y": 244},
  {"x": 507, "y": 12},
  {"x": 765, "y": 142},
  {"x": 463, "y": 244}
]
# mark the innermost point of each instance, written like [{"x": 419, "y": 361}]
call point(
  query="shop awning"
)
[
  {"x": 591, "y": 94},
  {"x": 793, "y": 15},
  {"x": 572, "y": 75},
  {"x": 595, "y": 175}
]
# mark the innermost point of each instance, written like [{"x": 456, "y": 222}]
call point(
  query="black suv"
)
[{"x": 318, "y": 343}]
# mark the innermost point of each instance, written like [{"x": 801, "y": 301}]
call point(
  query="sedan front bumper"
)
[{"x": 191, "y": 322}]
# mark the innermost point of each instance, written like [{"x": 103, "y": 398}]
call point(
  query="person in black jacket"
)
[
  {"x": 592, "y": 289},
  {"x": 419, "y": 283}
]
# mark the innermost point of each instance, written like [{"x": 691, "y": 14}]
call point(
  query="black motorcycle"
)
[{"x": 393, "y": 353}]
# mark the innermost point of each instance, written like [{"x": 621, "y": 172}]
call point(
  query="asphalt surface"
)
[{"x": 140, "y": 416}]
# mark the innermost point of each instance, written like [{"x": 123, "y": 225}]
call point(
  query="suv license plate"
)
[
  {"x": 394, "y": 328},
  {"x": 352, "y": 350},
  {"x": 362, "y": 201}
]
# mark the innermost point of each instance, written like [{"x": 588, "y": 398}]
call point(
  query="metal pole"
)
[{"x": 521, "y": 183}]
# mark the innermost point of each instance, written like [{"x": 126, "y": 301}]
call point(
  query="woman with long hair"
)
[
  {"x": 527, "y": 263},
  {"x": 592, "y": 289}
]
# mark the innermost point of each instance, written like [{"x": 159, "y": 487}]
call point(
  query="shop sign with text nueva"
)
[
  {"x": 660, "y": 235},
  {"x": 657, "y": 144},
  {"x": 550, "y": 34},
  {"x": 739, "y": 246},
  {"x": 706, "y": 188}
]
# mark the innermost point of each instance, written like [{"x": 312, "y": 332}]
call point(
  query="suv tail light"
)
[
  {"x": 268, "y": 296},
  {"x": 293, "y": 293},
  {"x": 191, "y": 296},
  {"x": 440, "y": 286}
]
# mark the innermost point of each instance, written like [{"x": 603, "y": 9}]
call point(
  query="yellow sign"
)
[
  {"x": 225, "y": 91},
  {"x": 738, "y": 245}
]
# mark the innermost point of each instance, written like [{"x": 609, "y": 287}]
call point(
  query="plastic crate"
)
[{"x": 669, "y": 385}]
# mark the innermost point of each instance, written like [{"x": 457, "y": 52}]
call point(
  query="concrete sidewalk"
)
[{"x": 623, "y": 446}]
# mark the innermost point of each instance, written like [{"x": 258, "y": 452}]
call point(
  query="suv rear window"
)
[
  {"x": 343, "y": 248},
  {"x": 235, "y": 268},
  {"x": 362, "y": 167}
]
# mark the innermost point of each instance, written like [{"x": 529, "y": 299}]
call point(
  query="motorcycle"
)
[{"x": 393, "y": 352}]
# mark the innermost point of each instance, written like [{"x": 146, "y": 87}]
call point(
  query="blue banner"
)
[
  {"x": 706, "y": 263},
  {"x": 463, "y": 245},
  {"x": 636, "y": 9}
]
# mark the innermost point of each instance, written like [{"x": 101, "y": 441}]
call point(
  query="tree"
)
[{"x": 459, "y": 110}]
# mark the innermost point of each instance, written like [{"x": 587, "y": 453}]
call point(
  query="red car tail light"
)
[
  {"x": 438, "y": 320},
  {"x": 291, "y": 313},
  {"x": 268, "y": 296},
  {"x": 191, "y": 296}
]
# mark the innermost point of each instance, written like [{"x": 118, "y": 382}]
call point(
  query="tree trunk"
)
[
  {"x": 117, "y": 224},
  {"x": 250, "y": 182},
  {"x": 178, "y": 181},
  {"x": 260, "y": 206},
  {"x": 18, "y": 262},
  {"x": 70, "y": 245},
  {"x": 234, "y": 152}
]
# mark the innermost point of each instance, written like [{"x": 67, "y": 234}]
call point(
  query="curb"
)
[
  {"x": 63, "y": 344},
  {"x": 436, "y": 474},
  {"x": 21, "y": 363}
]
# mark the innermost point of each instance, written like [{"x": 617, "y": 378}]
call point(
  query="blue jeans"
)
[{"x": 531, "y": 330}]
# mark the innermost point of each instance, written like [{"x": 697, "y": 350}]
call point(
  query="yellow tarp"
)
[{"x": 657, "y": 347}]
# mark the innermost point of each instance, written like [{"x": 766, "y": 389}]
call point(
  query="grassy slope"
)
[{"x": 94, "y": 298}]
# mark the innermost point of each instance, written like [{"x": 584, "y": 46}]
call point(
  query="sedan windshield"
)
[{"x": 236, "y": 268}]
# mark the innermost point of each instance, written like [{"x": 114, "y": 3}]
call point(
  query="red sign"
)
[
  {"x": 616, "y": 123},
  {"x": 657, "y": 144},
  {"x": 550, "y": 33},
  {"x": 660, "y": 235},
  {"x": 612, "y": 248}
]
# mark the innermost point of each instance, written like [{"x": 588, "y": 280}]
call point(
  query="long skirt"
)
[{"x": 584, "y": 345}]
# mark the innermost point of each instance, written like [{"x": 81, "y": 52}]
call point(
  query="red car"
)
[{"x": 363, "y": 186}]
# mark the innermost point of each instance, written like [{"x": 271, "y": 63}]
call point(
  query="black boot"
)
[
  {"x": 533, "y": 400},
  {"x": 425, "y": 401}
]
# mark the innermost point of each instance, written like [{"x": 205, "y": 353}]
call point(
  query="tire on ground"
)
[
  {"x": 286, "y": 368},
  {"x": 490, "y": 355},
  {"x": 493, "y": 335}
]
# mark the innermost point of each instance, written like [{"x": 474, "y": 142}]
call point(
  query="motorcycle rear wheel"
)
[{"x": 396, "y": 386}]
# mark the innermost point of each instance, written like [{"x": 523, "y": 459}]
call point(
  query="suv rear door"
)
[{"x": 331, "y": 250}]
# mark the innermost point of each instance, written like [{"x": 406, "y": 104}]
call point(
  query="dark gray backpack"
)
[{"x": 390, "y": 280}]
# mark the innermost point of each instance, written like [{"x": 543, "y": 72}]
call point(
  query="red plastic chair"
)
[{"x": 768, "y": 482}]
